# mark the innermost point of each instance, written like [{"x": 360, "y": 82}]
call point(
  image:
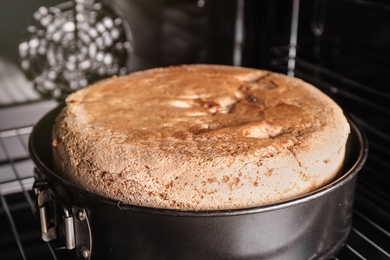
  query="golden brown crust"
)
[{"x": 200, "y": 137}]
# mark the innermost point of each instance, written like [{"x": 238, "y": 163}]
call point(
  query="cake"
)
[{"x": 200, "y": 137}]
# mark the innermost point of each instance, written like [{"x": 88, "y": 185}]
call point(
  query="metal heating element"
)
[{"x": 370, "y": 235}]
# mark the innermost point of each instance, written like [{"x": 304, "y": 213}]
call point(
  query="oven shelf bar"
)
[
  {"x": 11, "y": 221},
  {"x": 373, "y": 244},
  {"x": 370, "y": 235},
  {"x": 381, "y": 161},
  {"x": 21, "y": 182},
  {"x": 21, "y": 240},
  {"x": 372, "y": 223},
  {"x": 338, "y": 85},
  {"x": 17, "y": 184},
  {"x": 372, "y": 3},
  {"x": 373, "y": 202},
  {"x": 350, "y": 84},
  {"x": 281, "y": 63},
  {"x": 12, "y": 187},
  {"x": 365, "y": 247},
  {"x": 356, "y": 253},
  {"x": 372, "y": 231},
  {"x": 16, "y": 132},
  {"x": 376, "y": 162},
  {"x": 16, "y": 172},
  {"x": 383, "y": 136},
  {"x": 376, "y": 177},
  {"x": 371, "y": 181},
  {"x": 380, "y": 155},
  {"x": 373, "y": 103}
]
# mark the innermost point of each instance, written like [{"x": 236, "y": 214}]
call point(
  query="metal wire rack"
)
[
  {"x": 21, "y": 237},
  {"x": 370, "y": 234}
]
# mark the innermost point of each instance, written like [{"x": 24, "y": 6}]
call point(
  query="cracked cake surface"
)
[{"x": 200, "y": 137}]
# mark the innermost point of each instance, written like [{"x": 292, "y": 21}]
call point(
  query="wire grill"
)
[
  {"x": 370, "y": 234},
  {"x": 21, "y": 237}
]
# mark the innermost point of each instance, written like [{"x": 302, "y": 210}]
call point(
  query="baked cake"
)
[{"x": 200, "y": 137}]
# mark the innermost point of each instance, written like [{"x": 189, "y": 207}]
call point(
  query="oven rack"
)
[
  {"x": 20, "y": 239},
  {"x": 380, "y": 4},
  {"x": 370, "y": 234}
]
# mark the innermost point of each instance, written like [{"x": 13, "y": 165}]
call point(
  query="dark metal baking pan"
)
[{"x": 88, "y": 226}]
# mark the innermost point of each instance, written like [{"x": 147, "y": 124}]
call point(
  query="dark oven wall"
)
[
  {"x": 343, "y": 48},
  {"x": 175, "y": 32},
  {"x": 349, "y": 40},
  {"x": 355, "y": 40},
  {"x": 158, "y": 33},
  {"x": 350, "y": 37},
  {"x": 161, "y": 32}
]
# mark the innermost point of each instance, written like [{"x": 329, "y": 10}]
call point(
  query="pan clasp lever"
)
[
  {"x": 48, "y": 228},
  {"x": 50, "y": 217},
  {"x": 66, "y": 229}
]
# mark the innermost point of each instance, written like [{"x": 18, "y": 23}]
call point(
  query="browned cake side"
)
[{"x": 200, "y": 137}]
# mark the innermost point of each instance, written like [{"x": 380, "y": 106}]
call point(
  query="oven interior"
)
[{"x": 342, "y": 47}]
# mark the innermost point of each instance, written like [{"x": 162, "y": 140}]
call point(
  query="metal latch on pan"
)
[{"x": 58, "y": 223}]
